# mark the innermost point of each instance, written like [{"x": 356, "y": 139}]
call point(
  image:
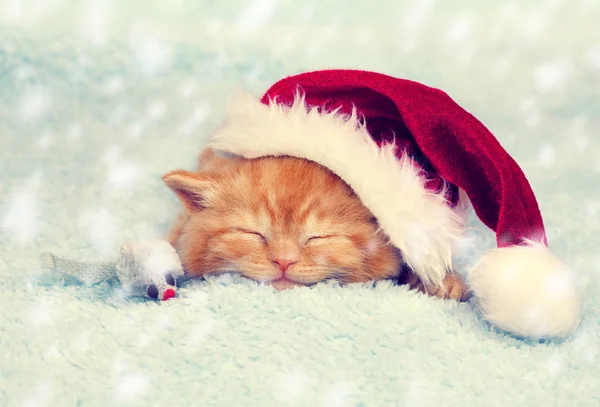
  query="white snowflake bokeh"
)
[
  {"x": 191, "y": 125},
  {"x": 337, "y": 395},
  {"x": 255, "y": 16},
  {"x": 415, "y": 393},
  {"x": 199, "y": 332},
  {"x": 188, "y": 87},
  {"x": 94, "y": 21},
  {"x": 129, "y": 384},
  {"x": 151, "y": 51},
  {"x": 20, "y": 218},
  {"x": 42, "y": 313},
  {"x": 552, "y": 75},
  {"x": 292, "y": 386},
  {"x": 556, "y": 364},
  {"x": 40, "y": 396},
  {"x": 547, "y": 156},
  {"x": 101, "y": 227},
  {"x": 34, "y": 104},
  {"x": 593, "y": 56},
  {"x": 46, "y": 140}
]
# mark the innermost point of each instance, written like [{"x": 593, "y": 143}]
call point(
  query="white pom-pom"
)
[{"x": 526, "y": 290}]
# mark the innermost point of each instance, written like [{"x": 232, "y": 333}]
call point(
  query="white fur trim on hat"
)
[
  {"x": 420, "y": 223},
  {"x": 527, "y": 290}
]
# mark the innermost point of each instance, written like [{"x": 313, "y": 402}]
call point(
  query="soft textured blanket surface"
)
[{"x": 98, "y": 99}]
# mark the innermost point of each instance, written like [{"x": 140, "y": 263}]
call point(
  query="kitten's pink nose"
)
[{"x": 284, "y": 264}]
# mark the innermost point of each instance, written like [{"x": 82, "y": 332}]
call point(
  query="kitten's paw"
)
[{"x": 453, "y": 288}]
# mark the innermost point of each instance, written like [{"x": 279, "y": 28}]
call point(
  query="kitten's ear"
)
[{"x": 193, "y": 189}]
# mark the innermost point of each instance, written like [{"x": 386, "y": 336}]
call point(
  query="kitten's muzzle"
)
[{"x": 284, "y": 264}]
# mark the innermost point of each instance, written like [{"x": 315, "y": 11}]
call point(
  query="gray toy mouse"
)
[{"x": 147, "y": 268}]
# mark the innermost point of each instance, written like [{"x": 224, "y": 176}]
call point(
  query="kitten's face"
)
[{"x": 284, "y": 220}]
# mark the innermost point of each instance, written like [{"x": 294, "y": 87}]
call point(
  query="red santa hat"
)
[{"x": 407, "y": 150}]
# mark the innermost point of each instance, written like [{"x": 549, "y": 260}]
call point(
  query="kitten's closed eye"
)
[
  {"x": 265, "y": 240},
  {"x": 252, "y": 232},
  {"x": 318, "y": 238}
]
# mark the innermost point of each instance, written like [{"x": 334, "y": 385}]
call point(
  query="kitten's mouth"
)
[{"x": 283, "y": 283}]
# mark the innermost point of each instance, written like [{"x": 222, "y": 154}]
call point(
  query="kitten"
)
[{"x": 284, "y": 221}]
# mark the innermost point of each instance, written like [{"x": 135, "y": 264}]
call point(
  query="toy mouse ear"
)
[{"x": 194, "y": 190}]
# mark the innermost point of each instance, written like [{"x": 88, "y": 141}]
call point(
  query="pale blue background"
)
[{"x": 99, "y": 98}]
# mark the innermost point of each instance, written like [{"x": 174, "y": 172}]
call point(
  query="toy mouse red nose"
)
[{"x": 169, "y": 293}]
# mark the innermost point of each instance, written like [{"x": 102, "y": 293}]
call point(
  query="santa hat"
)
[{"x": 407, "y": 150}]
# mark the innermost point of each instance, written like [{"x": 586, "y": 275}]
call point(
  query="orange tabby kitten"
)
[{"x": 284, "y": 221}]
